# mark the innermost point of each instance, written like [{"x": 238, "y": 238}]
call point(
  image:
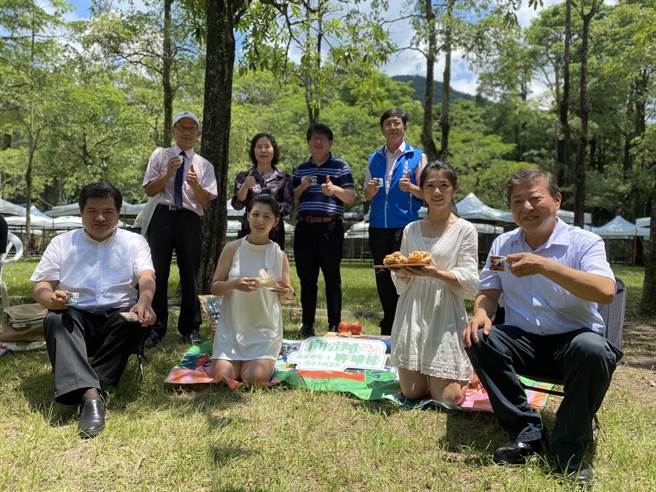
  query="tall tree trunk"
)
[
  {"x": 627, "y": 158},
  {"x": 560, "y": 175},
  {"x": 427, "y": 125},
  {"x": 648, "y": 301},
  {"x": 29, "y": 185},
  {"x": 584, "y": 114},
  {"x": 220, "y": 59},
  {"x": 565, "y": 134},
  {"x": 312, "y": 67},
  {"x": 167, "y": 90},
  {"x": 446, "y": 81}
]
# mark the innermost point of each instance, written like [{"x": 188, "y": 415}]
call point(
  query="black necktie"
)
[{"x": 179, "y": 179}]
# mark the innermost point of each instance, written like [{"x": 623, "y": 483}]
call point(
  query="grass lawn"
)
[{"x": 286, "y": 439}]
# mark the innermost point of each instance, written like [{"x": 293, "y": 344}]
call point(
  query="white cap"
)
[{"x": 185, "y": 114}]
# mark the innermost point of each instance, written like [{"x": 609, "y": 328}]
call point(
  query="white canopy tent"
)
[
  {"x": 621, "y": 239},
  {"x": 37, "y": 221},
  {"x": 618, "y": 228},
  {"x": 360, "y": 230},
  {"x": 643, "y": 222},
  {"x": 8, "y": 208},
  {"x": 568, "y": 217},
  {"x": 64, "y": 210},
  {"x": 644, "y": 232},
  {"x": 472, "y": 208},
  {"x": 71, "y": 209},
  {"x": 49, "y": 223}
]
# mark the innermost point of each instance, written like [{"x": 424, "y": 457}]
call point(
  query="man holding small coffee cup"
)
[
  {"x": 97, "y": 284},
  {"x": 322, "y": 185},
  {"x": 552, "y": 276},
  {"x": 391, "y": 187},
  {"x": 186, "y": 183}
]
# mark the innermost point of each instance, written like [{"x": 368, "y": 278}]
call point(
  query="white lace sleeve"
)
[{"x": 466, "y": 269}]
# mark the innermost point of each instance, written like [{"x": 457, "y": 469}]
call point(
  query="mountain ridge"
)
[{"x": 418, "y": 83}]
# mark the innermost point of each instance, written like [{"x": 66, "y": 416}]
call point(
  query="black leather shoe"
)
[
  {"x": 152, "y": 340},
  {"x": 581, "y": 475},
  {"x": 306, "y": 331},
  {"x": 515, "y": 453},
  {"x": 332, "y": 328},
  {"x": 92, "y": 418}
]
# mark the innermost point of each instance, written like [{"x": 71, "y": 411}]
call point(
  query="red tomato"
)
[
  {"x": 343, "y": 327},
  {"x": 356, "y": 328}
]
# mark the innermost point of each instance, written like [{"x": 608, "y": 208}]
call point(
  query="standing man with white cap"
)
[{"x": 186, "y": 183}]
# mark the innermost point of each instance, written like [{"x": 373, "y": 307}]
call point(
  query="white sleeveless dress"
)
[
  {"x": 250, "y": 325},
  {"x": 430, "y": 315}
]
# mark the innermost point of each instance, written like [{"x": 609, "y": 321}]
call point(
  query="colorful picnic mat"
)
[{"x": 364, "y": 384}]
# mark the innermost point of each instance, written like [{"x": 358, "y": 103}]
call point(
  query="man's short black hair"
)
[
  {"x": 320, "y": 129},
  {"x": 101, "y": 189},
  {"x": 394, "y": 113}
]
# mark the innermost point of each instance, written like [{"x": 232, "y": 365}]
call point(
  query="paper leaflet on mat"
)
[{"x": 339, "y": 354}]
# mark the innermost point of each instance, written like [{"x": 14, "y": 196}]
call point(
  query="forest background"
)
[{"x": 82, "y": 100}]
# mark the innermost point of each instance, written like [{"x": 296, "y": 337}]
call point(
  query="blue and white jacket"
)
[{"x": 392, "y": 208}]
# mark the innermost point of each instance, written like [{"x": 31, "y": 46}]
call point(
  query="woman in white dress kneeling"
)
[
  {"x": 252, "y": 275},
  {"x": 427, "y": 343}
]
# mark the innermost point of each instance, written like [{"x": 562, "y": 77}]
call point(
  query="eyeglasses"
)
[
  {"x": 393, "y": 124},
  {"x": 188, "y": 129}
]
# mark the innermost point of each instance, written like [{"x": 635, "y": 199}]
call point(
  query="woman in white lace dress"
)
[
  {"x": 427, "y": 343},
  {"x": 252, "y": 275}
]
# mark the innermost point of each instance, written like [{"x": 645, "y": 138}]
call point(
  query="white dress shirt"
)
[
  {"x": 537, "y": 304},
  {"x": 204, "y": 170},
  {"x": 104, "y": 273}
]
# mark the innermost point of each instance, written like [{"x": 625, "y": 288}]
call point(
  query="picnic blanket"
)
[{"x": 364, "y": 384}]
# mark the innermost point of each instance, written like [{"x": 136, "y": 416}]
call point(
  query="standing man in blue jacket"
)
[{"x": 391, "y": 185}]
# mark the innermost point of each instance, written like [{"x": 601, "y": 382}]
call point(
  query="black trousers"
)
[
  {"x": 381, "y": 243},
  {"x": 177, "y": 230},
  {"x": 319, "y": 246},
  {"x": 73, "y": 336},
  {"x": 583, "y": 359}
]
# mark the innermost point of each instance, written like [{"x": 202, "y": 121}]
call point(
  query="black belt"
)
[
  {"x": 173, "y": 208},
  {"x": 321, "y": 219}
]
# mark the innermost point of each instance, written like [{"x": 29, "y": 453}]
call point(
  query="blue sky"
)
[
  {"x": 407, "y": 62},
  {"x": 81, "y": 8}
]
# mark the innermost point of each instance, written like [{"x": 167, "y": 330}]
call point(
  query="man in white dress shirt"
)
[
  {"x": 89, "y": 279},
  {"x": 187, "y": 184},
  {"x": 553, "y": 278}
]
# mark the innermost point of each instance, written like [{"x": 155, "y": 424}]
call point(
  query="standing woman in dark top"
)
[
  {"x": 4, "y": 235},
  {"x": 264, "y": 178}
]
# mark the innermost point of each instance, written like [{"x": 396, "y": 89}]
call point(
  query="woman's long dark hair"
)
[{"x": 448, "y": 172}]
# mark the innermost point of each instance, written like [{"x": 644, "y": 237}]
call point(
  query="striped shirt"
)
[{"x": 313, "y": 201}]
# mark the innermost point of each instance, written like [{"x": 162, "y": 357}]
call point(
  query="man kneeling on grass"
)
[
  {"x": 88, "y": 280},
  {"x": 552, "y": 277}
]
